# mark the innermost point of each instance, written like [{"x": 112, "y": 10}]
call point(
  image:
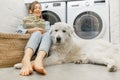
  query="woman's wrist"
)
[{"x": 35, "y": 29}]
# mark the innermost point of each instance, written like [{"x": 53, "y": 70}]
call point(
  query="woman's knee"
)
[
  {"x": 47, "y": 34},
  {"x": 37, "y": 33},
  {"x": 35, "y": 37}
]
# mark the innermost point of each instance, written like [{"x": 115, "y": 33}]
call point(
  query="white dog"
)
[{"x": 66, "y": 49}]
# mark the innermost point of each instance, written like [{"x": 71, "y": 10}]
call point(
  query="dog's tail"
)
[{"x": 116, "y": 56}]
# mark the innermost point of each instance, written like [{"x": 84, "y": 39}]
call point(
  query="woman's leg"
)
[
  {"x": 29, "y": 51},
  {"x": 26, "y": 65},
  {"x": 42, "y": 52},
  {"x": 38, "y": 62}
]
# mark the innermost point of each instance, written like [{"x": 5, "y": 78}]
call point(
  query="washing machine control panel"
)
[
  {"x": 52, "y": 5},
  {"x": 56, "y": 4}
]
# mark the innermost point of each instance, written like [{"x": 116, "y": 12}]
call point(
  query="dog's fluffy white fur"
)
[{"x": 66, "y": 48}]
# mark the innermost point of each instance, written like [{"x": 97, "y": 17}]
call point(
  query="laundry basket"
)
[{"x": 12, "y": 48}]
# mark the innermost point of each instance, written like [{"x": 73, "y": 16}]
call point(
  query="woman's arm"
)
[
  {"x": 20, "y": 29},
  {"x": 35, "y": 29}
]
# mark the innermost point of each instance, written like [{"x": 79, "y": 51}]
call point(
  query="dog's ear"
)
[
  {"x": 70, "y": 28},
  {"x": 51, "y": 28}
]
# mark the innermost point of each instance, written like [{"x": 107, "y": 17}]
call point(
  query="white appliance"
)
[
  {"x": 54, "y": 12},
  {"x": 90, "y": 19}
]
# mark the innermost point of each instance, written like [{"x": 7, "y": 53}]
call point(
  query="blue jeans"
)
[{"x": 40, "y": 42}]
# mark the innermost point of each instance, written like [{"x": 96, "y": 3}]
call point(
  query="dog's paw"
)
[
  {"x": 82, "y": 61},
  {"x": 78, "y": 61},
  {"x": 18, "y": 66},
  {"x": 112, "y": 68},
  {"x": 85, "y": 61}
]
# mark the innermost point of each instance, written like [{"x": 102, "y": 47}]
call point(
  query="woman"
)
[{"x": 40, "y": 40}]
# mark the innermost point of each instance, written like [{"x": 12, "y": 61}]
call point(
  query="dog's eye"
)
[
  {"x": 64, "y": 31},
  {"x": 56, "y": 30}
]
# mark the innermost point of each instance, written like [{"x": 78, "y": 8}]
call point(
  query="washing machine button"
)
[
  {"x": 87, "y": 3},
  {"x": 46, "y": 6}
]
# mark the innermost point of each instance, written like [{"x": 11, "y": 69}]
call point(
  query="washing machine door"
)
[
  {"x": 88, "y": 25},
  {"x": 51, "y": 17}
]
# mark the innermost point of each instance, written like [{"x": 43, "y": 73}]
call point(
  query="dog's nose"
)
[{"x": 58, "y": 39}]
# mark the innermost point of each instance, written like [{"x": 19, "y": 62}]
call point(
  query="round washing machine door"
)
[
  {"x": 50, "y": 16},
  {"x": 88, "y": 25}
]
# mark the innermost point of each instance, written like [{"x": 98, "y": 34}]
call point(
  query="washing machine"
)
[
  {"x": 89, "y": 18},
  {"x": 54, "y": 12}
]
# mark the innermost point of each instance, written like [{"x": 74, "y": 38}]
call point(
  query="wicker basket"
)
[{"x": 12, "y": 48}]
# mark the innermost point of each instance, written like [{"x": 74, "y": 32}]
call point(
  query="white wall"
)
[{"x": 115, "y": 21}]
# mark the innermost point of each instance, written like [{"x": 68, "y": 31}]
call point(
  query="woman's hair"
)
[{"x": 31, "y": 6}]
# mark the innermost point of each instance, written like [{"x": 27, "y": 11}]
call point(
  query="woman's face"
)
[{"x": 37, "y": 10}]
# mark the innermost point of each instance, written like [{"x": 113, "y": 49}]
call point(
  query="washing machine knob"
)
[
  {"x": 46, "y": 6},
  {"x": 87, "y": 3}
]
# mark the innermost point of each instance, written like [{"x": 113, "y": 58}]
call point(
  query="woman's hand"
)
[
  {"x": 41, "y": 30},
  {"x": 35, "y": 29}
]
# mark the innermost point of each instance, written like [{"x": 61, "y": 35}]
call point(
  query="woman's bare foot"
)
[
  {"x": 26, "y": 68},
  {"x": 38, "y": 63},
  {"x": 38, "y": 66}
]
